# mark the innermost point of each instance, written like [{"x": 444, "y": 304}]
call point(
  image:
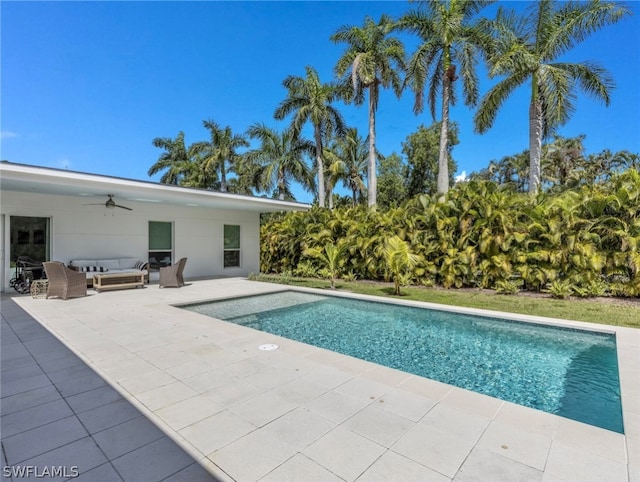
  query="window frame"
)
[
  {"x": 164, "y": 252},
  {"x": 231, "y": 249}
]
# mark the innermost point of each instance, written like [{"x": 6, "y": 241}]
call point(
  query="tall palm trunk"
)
[
  {"x": 223, "y": 178},
  {"x": 372, "y": 186},
  {"x": 443, "y": 155},
  {"x": 354, "y": 194},
  {"x": 535, "y": 145},
  {"x": 281, "y": 184},
  {"x": 443, "y": 158},
  {"x": 319, "y": 165}
]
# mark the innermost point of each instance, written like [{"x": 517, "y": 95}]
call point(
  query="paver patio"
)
[
  {"x": 58, "y": 412},
  {"x": 127, "y": 387}
]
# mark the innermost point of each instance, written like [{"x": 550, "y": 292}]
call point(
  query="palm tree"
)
[
  {"x": 220, "y": 150},
  {"x": 372, "y": 59},
  {"x": 526, "y": 49},
  {"x": 604, "y": 165},
  {"x": 330, "y": 257},
  {"x": 196, "y": 174},
  {"x": 348, "y": 159},
  {"x": 248, "y": 176},
  {"x": 334, "y": 171},
  {"x": 282, "y": 159},
  {"x": 399, "y": 261},
  {"x": 175, "y": 159},
  {"x": 511, "y": 171},
  {"x": 563, "y": 162},
  {"x": 310, "y": 101},
  {"x": 451, "y": 45}
]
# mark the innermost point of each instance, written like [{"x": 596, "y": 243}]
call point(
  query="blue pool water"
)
[{"x": 571, "y": 373}]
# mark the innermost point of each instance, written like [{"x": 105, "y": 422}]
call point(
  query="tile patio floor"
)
[
  {"x": 57, "y": 411},
  {"x": 126, "y": 387}
]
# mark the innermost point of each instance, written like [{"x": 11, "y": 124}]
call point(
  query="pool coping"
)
[{"x": 164, "y": 301}]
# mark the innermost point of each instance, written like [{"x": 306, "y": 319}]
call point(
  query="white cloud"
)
[
  {"x": 462, "y": 177},
  {"x": 8, "y": 135}
]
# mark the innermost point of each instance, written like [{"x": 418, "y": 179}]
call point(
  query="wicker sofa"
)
[{"x": 91, "y": 267}]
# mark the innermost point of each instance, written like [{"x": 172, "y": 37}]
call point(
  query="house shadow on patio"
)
[{"x": 57, "y": 414}]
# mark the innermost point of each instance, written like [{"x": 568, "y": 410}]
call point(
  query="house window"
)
[
  {"x": 231, "y": 246},
  {"x": 160, "y": 245},
  {"x": 29, "y": 237}
]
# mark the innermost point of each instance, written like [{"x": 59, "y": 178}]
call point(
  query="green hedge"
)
[{"x": 582, "y": 242}]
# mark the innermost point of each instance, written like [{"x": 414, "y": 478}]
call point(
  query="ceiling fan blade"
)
[{"x": 110, "y": 204}]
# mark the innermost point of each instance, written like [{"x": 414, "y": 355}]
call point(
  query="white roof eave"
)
[{"x": 25, "y": 178}]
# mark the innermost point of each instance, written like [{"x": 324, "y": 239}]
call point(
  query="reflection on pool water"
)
[{"x": 568, "y": 372}]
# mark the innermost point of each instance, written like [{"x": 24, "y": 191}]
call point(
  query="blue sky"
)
[{"x": 87, "y": 86}]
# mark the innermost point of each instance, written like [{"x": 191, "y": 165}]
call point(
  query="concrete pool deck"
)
[{"x": 304, "y": 413}]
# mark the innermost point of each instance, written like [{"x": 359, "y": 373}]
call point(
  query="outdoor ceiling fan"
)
[{"x": 110, "y": 204}]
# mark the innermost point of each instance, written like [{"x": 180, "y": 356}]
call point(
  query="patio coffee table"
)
[{"x": 117, "y": 281}]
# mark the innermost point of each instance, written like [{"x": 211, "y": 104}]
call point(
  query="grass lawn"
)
[{"x": 602, "y": 310}]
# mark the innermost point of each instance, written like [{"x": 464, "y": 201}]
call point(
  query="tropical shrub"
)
[
  {"x": 350, "y": 276},
  {"x": 479, "y": 235},
  {"x": 561, "y": 289},
  {"x": 399, "y": 261},
  {"x": 596, "y": 287},
  {"x": 305, "y": 269},
  {"x": 507, "y": 287},
  {"x": 331, "y": 258}
]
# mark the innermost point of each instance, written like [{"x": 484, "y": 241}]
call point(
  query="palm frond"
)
[
  {"x": 574, "y": 21},
  {"x": 557, "y": 96},
  {"x": 466, "y": 58},
  {"x": 591, "y": 78},
  {"x": 435, "y": 83},
  {"x": 492, "y": 101}
]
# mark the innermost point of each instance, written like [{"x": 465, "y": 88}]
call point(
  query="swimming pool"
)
[{"x": 568, "y": 372}]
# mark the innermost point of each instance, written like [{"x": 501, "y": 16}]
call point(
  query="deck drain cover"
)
[{"x": 268, "y": 347}]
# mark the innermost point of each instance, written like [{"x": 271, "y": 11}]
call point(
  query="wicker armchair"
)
[
  {"x": 64, "y": 282},
  {"x": 171, "y": 276}
]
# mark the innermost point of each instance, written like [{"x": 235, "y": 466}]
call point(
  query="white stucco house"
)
[{"x": 61, "y": 215}]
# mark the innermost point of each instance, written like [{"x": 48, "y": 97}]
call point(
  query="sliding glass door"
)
[{"x": 30, "y": 237}]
